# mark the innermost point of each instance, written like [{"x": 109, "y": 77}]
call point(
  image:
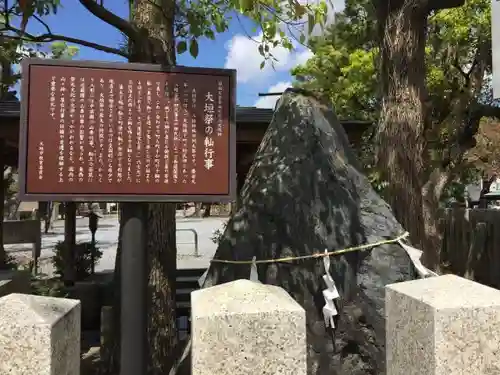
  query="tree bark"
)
[
  {"x": 69, "y": 276},
  {"x": 206, "y": 210},
  {"x": 432, "y": 192},
  {"x": 155, "y": 20},
  {"x": 402, "y": 32},
  {"x": 3, "y": 254}
]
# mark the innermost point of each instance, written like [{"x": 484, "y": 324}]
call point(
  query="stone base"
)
[
  {"x": 14, "y": 282},
  {"x": 442, "y": 325},
  {"x": 39, "y": 335},
  {"x": 247, "y": 328}
]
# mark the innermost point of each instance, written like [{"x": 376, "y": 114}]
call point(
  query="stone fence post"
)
[
  {"x": 247, "y": 328},
  {"x": 39, "y": 335},
  {"x": 442, "y": 325}
]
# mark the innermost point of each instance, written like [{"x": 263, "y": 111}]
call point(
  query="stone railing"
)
[
  {"x": 437, "y": 326},
  {"x": 442, "y": 325},
  {"x": 23, "y": 232},
  {"x": 39, "y": 335}
]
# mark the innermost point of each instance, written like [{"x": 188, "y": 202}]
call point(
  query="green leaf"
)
[
  {"x": 181, "y": 47},
  {"x": 261, "y": 50},
  {"x": 271, "y": 29},
  {"x": 311, "y": 22},
  {"x": 247, "y": 5},
  {"x": 262, "y": 65},
  {"x": 193, "y": 48}
]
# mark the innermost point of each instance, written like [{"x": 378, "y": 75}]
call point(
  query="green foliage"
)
[
  {"x": 343, "y": 68},
  {"x": 52, "y": 287},
  {"x": 37, "y": 7},
  {"x": 10, "y": 263},
  {"x": 201, "y": 19},
  {"x": 61, "y": 50},
  {"x": 206, "y": 18},
  {"x": 458, "y": 57},
  {"x": 17, "y": 44},
  {"x": 10, "y": 184},
  {"x": 83, "y": 259},
  {"x": 218, "y": 233}
]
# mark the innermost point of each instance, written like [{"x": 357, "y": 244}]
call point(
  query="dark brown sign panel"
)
[{"x": 126, "y": 132}]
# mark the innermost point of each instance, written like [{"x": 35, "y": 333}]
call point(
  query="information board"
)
[{"x": 126, "y": 132}]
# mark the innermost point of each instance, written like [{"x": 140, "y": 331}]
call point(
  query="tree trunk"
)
[
  {"x": 156, "y": 19},
  {"x": 3, "y": 254},
  {"x": 197, "y": 210},
  {"x": 69, "y": 276},
  {"x": 206, "y": 210},
  {"x": 431, "y": 195},
  {"x": 402, "y": 27}
]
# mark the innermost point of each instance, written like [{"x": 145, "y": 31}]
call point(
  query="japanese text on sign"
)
[{"x": 138, "y": 132}]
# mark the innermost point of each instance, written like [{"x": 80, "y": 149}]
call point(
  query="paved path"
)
[{"x": 107, "y": 239}]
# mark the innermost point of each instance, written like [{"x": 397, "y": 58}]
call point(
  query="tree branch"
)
[
  {"x": 457, "y": 66},
  {"x": 46, "y": 38},
  {"x": 486, "y": 110},
  {"x": 109, "y": 17},
  {"x": 444, "y": 4},
  {"x": 6, "y": 10},
  {"x": 43, "y": 23},
  {"x": 159, "y": 8}
]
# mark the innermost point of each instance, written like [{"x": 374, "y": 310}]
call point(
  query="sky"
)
[{"x": 232, "y": 49}]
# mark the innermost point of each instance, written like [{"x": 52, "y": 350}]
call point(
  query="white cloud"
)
[
  {"x": 302, "y": 57},
  {"x": 243, "y": 54},
  {"x": 333, "y": 6},
  {"x": 270, "y": 101}
]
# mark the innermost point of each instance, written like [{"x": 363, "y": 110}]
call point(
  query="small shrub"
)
[
  {"x": 10, "y": 263},
  {"x": 83, "y": 259},
  {"x": 48, "y": 287}
]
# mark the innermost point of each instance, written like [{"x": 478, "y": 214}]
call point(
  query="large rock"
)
[{"x": 306, "y": 192}]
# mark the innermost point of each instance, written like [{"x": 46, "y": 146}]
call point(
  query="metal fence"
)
[{"x": 471, "y": 244}]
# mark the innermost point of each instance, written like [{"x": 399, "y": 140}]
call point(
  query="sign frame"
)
[{"x": 24, "y": 195}]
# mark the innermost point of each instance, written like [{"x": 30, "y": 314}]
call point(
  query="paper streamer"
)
[
  {"x": 330, "y": 294},
  {"x": 254, "y": 274},
  {"x": 415, "y": 256},
  {"x": 201, "y": 280}
]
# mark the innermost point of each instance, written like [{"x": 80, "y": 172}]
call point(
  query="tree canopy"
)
[
  {"x": 193, "y": 20},
  {"x": 344, "y": 69}
]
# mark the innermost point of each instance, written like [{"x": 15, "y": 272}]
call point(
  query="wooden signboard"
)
[{"x": 126, "y": 132}]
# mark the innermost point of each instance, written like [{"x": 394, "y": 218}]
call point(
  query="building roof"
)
[
  {"x": 254, "y": 114},
  {"x": 264, "y": 116},
  {"x": 11, "y": 109}
]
